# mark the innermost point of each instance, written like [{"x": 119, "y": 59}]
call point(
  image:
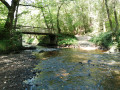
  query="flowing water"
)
[{"x": 75, "y": 69}]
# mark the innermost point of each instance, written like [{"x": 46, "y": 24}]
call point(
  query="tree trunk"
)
[
  {"x": 83, "y": 20},
  {"x": 9, "y": 23},
  {"x": 11, "y": 10},
  {"x": 45, "y": 19},
  {"x": 117, "y": 24},
  {"x": 104, "y": 27},
  {"x": 16, "y": 16},
  {"x": 116, "y": 19},
  {"x": 102, "y": 17},
  {"x": 58, "y": 13},
  {"x": 51, "y": 20},
  {"x": 108, "y": 13}
]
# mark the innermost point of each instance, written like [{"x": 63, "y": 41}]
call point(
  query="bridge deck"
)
[{"x": 37, "y": 31}]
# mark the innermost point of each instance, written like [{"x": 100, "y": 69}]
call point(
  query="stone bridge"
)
[{"x": 39, "y": 31}]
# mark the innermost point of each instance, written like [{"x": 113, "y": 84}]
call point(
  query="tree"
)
[
  {"x": 108, "y": 14},
  {"x": 58, "y": 14},
  {"x": 116, "y": 21},
  {"x": 115, "y": 14},
  {"x": 10, "y": 17},
  {"x": 16, "y": 15}
]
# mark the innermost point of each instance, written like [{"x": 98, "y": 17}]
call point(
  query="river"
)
[{"x": 75, "y": 69}]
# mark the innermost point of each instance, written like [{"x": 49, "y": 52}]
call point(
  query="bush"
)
[
  {"x": 62, "y": 39},
  {"x": 2, "y": 32},
  {"x": 65, "y": 39},
  {"x": 4, "y": 45},
  {"x": 44, "y": 39},
  {"x": 103, "y": 39},
  {"x": 11, "y": 44}
]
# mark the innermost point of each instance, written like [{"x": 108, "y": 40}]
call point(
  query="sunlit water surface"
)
[{"x": 75, "y": 69}]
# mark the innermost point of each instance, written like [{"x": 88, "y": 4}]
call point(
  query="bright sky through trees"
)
[{"x": 9, "y": 1}]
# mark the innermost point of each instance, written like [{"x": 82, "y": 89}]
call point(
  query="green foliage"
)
[
  {"x": 4, "y": 45},
  {"x": 103, "y": 39},
  {"x": 118, "y": 38},
  {"x": 1, "y": 28},
  {"x": 65, "y": 39},
  {"x": 17, "y": 39},
  {"x": 3, "y": 33},
  {"x": 75, "y": 17},
  {"x": 44, "y": 39},
  {"x": 62, "y": 39},
  {"x": 30, "y": 40},
  {"x": 3, "y": 10},
  {"x": 10, "y": 44},
  {"x": 70, "y": 17}
]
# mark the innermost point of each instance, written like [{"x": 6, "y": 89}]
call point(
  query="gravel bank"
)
[{"x": 15, "y": 68}]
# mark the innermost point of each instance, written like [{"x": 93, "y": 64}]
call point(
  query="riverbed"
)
[{"x": 60, "y": 69}]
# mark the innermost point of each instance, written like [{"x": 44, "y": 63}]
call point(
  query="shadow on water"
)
[{"x": 73, "y": 69}]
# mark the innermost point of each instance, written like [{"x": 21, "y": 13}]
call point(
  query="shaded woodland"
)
[{"x": 98, "y": 18}]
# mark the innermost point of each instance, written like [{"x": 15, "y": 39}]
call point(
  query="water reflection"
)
[{"x": 73, "y": 69}]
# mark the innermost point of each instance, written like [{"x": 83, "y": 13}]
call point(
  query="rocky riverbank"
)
[{"x": 15, "y": 68}]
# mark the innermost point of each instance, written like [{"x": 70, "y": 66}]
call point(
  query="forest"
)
[
  {"x": 59, "y": 44},
  {"x": 97, "y": 18}
]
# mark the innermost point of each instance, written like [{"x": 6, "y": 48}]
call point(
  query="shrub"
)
[
  {"x": 103, "y": 39},
  {"x": 4, "y": 45},
  {"x": 62, "y": 39},
  {"x": 44, "y": 39},
  {"x": 65, "y": 39},
  {"x": 11, "y": 44}
]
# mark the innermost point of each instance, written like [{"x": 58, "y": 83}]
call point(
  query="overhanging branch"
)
[
  {"x": 32, "y": 6},
  {"x": 5, "y": 3}
]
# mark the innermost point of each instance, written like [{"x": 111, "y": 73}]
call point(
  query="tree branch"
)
[
  {"x": 32, "y": 6},
  {"x": 5, "y": 3}
]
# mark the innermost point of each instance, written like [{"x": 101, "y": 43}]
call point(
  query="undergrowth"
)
[
  {"x": 8, "y": 44},
  {"x": 62, "y": 39},
  {"x": 65, "y": 39},
  {"x": 104, "y": 39}
]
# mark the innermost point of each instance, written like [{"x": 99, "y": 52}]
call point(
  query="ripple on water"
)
[{"x": 69, "y": 69}]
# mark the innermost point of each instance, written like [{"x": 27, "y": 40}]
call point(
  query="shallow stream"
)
[{"x": 75, "y": 69}]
